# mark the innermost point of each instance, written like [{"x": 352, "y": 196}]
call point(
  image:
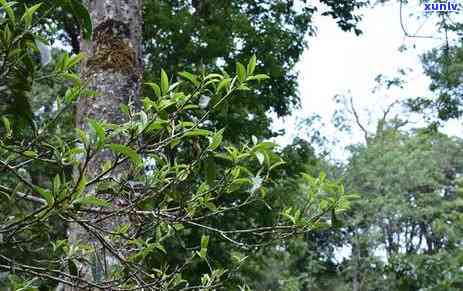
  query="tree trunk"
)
[
  {"x": 356, "y": 258},
  {"x": 113, "y": 69}
]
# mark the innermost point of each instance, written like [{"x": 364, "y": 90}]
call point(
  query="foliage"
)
[
  {"x": 21, "y": 46},
  {"x": 189, "y": 214},
  {"x": 443, "y": 65},
  {"x": 214, "y": 33},
  {"x": 211, "y": 35}
]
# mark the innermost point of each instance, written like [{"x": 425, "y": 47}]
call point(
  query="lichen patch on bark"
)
[{"x": 112, "y": 48}]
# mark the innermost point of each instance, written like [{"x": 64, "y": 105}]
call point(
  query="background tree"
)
[
  {"x": 442, "y": 65},
  {"x": 406, "y": 220}
]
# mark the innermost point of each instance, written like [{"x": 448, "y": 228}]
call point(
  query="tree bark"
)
[
  {"x": 113, "y": 68},
  {"x": 356, "y": 253}
]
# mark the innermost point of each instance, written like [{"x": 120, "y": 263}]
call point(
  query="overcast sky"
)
[{"x": 337, "y": 62}]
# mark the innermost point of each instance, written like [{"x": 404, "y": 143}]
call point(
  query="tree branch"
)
[{"x": 357, "y": 120}]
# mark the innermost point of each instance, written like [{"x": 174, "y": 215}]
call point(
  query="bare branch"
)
[{"x": 357, "y": 120}]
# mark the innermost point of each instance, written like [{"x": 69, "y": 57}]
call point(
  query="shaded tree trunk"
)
[
  {"x": 356, "y": 262},
  {"x": 113, "y": 68}
]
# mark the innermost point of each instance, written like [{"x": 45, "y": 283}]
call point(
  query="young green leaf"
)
[
  {"x": 252, "y": 65},
  {"x": 216, "y": 139},
  {"x": 223, "y": 85},
  {"x": 46, "y": 194},
  {"x": 260, "y": 157},
  {"x": 258, "y": 77},
  {"x": 164, "y": 83},
  {"x": 128, "y": 152},
  {"x": 30, "y": 154},
  {"x": 156, "y": 89},
  {"x": 28, "y": 14},
  {"x": 7, "y": 125},
  {"x": 197, "y": 132},
  {"x": 74, "y": 60},
  {"x": 277, "y": 164},
  {"x": 9, "y": 11},
  {"x": 190, "y": 77},
  {"x": 83, "y": 136},
  {"x": 241, "y": 72},
  {"x": 90, "y": 200},
  {"x": 99, "y": 132},
  {"x": 204, "y": 243},
  {"x": 160, "y": 247}
]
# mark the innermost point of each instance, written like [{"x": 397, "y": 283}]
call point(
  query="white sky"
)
[{"x": 337, "y": 62}]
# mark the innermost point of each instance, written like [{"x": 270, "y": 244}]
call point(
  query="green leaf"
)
[
  {"x": 216, "y": 139},
  {"x": 197, "y": 132},
  {"x": 72, "y": 94},
  {"x": 83, "y": 136},
  {"x": 156, "y": 125},
  {"x": 46, "y": 194},
  {"x": 258, "y": 77},
  {"x": 190, "y": 107},
  {"x": 160, "y": 247},
  {"x": 71, "y": 77},
  {"x": 223, "y": 84},
  {"x": 30, "y": 154},
  {"x": 223, "y": 156},
  {"x": 238, "y": 183},
  {"x": 74, "y": 60},
  {"x": 252, "y": 65},
  {"x": 241, "y": 72},
  {"x": 156, "y": 89},
  {"x": 7, "y": 125},
  {"x": 81, "y": 186},
  {"x": 7, "y": 35},
  {"x": 56, "y": 185},
  {"x": 190, "y": 77},
  {"x": 164, "y": 82},
  {"x": 165, "y": 103},
  {"x": 260, "y": 157},
  {"x": 244, "y": 88},
  {"x": 128, "y": 152},
  {"x": 9, "y": 11},
  {"x": 92, "y": 201},
  {"x": 211, "y": 206},
  {"x": 204, "y": 243},
  {"x": 28, "y": 14},
  {"x": 99, "y": 132},
  {"x": 277, "y": 164}
]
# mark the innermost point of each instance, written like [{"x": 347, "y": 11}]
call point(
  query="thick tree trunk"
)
[{"x": 113, "y": 68}]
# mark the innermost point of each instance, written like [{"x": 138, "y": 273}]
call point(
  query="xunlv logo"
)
[{"x": 448, "y": 7}]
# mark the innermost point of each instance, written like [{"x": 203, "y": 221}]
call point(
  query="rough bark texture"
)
[{"x": 113, "y": 68}]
